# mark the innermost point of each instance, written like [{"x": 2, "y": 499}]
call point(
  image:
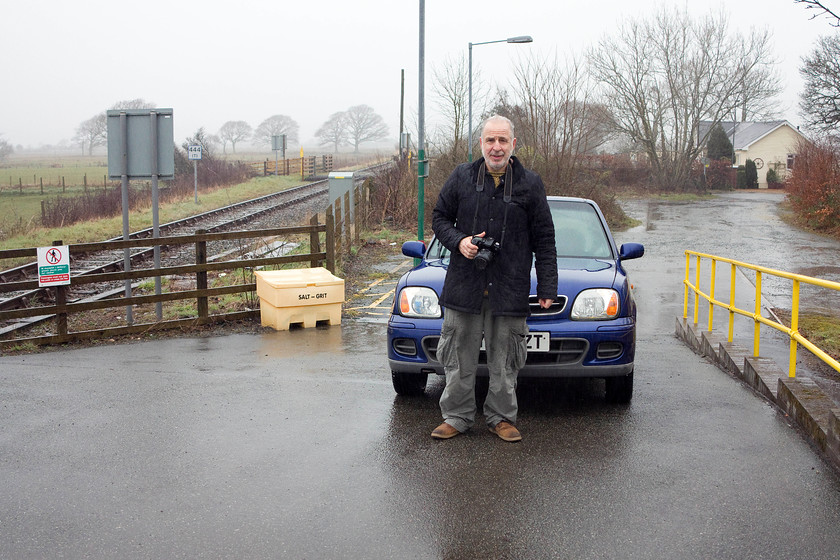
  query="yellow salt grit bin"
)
[{"x": 299, "y": 296}]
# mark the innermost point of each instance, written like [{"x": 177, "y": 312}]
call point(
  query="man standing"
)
[{"x": 492, "y": 215}]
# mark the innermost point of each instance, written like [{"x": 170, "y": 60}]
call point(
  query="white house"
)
[{"x": 771, "y": 145}]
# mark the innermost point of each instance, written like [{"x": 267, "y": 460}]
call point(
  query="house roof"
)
[{"x": 746, "y": 133}]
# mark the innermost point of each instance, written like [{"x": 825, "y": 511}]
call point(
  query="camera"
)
[{"x": 487, "y": 247}]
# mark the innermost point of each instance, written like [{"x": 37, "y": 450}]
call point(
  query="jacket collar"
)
[{"x": 514, "y": 164}]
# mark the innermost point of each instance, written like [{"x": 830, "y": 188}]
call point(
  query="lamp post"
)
[{"x": 519, "y": 39}]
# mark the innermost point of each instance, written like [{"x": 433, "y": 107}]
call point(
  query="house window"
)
[{"x": 790, "y": 159}]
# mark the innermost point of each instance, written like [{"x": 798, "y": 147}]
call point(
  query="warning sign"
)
[{"x": 53, "y": 266}]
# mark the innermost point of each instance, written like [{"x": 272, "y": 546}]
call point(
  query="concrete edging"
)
[{"x": 800, "y": 398}]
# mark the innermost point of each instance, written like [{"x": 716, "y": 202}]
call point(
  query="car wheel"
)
[
  {"x": 409, "y": 384},
  {"x": 620, "y": 389}
]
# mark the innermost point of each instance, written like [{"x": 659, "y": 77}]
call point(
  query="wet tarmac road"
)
[{"x": 294, "y": 445}]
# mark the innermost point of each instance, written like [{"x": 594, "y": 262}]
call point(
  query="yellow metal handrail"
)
[{"x": 792, "y": 332}]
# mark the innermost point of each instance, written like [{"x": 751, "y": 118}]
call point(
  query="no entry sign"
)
[{"x": 53, "y": 266}]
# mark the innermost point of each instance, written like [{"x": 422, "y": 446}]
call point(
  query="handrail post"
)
[
  {"x": 685, "y": 285},
  {"x": 732, "y": 272},
  {"x": 201, "y": 275},
  {"x": 712, "y": 295},
  {"x": 757, "y": 323},
  {"x": 697, "y": 292},
  {"x": 794, "y": 329}
]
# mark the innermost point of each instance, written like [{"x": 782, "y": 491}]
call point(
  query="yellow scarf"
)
[{"x": 497, "y": 176}]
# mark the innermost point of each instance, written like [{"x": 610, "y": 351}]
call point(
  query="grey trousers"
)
[{"x": 458, "y": 350}]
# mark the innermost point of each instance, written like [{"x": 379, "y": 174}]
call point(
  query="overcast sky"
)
[{"x": 213, "y": 61}]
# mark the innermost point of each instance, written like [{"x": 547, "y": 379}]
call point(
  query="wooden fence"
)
[
  {"x": 340, "y": 231},
  {"x": 304, "y": 166}
]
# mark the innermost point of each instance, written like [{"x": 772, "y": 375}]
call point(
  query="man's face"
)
[{"x": 497, "y": 144}]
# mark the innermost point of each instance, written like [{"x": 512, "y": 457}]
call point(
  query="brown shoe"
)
[
  {"x": 445, "y": 431},
  {"x": 506, "y": 431}
]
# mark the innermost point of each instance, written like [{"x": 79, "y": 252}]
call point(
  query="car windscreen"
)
[{"x": 578, "y": 231}]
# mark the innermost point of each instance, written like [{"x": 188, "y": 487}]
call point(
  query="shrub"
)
[
  {"x": 719, "y": 174},
  {"x": 773, "y": 179},
  {"x": 741, "y": 182},
  {"x": 719, "y": 146},
  {"x": 750, "y": 175},
  {"x": 814, "y": 184}
]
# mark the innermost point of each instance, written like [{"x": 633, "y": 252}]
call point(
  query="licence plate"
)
[{"x": 537, "y": 341}]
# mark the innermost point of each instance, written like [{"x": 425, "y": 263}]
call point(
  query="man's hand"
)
[
  {"x": 546, "y": 303},
  {"x": 467, "y": 248}
]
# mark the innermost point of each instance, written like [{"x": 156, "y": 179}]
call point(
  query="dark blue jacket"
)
[{"x": 529, "y": 233}]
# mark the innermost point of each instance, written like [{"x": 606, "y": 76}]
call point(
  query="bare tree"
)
[
  {"x": 233, "y": 132},
  {"x": 333, "y": 131},
  {"x": 661, "y": 77},
  {"x": 275, "y": 126},
  {"x": 761, "y": 83},
  {"x": 452, "y": 87},
  {"x": 6, "y": 148},
  {"x": 821, "y": 11},
  {"x": 92, "y": 132},
  {"x": 820, "y": 99},
  {"x": 364, "y": 125},
  {"x": 558, "y": 121},
  {"x": 206, "y": 141},
  {"x": 138, "y": 103}
]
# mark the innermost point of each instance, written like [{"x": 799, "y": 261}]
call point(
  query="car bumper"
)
[{"x": 603, "y": 350}]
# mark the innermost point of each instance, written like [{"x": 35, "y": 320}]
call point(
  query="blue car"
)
[{"x": 590, "y": 331}]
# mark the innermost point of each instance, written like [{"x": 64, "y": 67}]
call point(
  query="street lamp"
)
[{"x": 519, "y": 39}]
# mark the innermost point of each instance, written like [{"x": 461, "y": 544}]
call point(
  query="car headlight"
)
[
  {"x": 597, "y": 303},
  {"x": 419, "y": 302}
]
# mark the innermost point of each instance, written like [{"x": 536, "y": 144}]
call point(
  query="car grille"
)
[
  {"x": 556, "y": 308},
  {"x": 562, "y": 351}
]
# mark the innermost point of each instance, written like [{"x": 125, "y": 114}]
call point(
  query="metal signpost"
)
[
  {"x": 194, "y": 154},
  {"x": 278, "y": 142},
  {"x": 141, "y": 145}
]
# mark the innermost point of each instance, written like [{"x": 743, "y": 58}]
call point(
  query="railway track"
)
[{"x": 281, "y": 208}]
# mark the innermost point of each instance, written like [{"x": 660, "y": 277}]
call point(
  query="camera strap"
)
[{"x": 508, "y": 196}]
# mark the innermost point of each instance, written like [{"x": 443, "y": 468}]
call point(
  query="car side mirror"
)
[
  {"x": 631, "y": 251},
  {"x": 414, "y": 249}
]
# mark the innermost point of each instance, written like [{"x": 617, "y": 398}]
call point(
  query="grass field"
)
[
  {"x": 20, "y": 215},
  {"x": 29, "y": 172},
  {"x": 20, "y": 207}
]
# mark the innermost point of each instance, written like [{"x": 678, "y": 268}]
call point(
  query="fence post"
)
[
  {"x": 201, "y": 275},
  {"x": 339, "y": 241},
  {"x": 363, "y": 195},
  {"x": 356, "y": 221},
  {"x": 61, "y": 304},
  {"x": 314, "y": 241},
  {"x": 330, "y": 240},
  {"x": 347, "y": 224}
]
